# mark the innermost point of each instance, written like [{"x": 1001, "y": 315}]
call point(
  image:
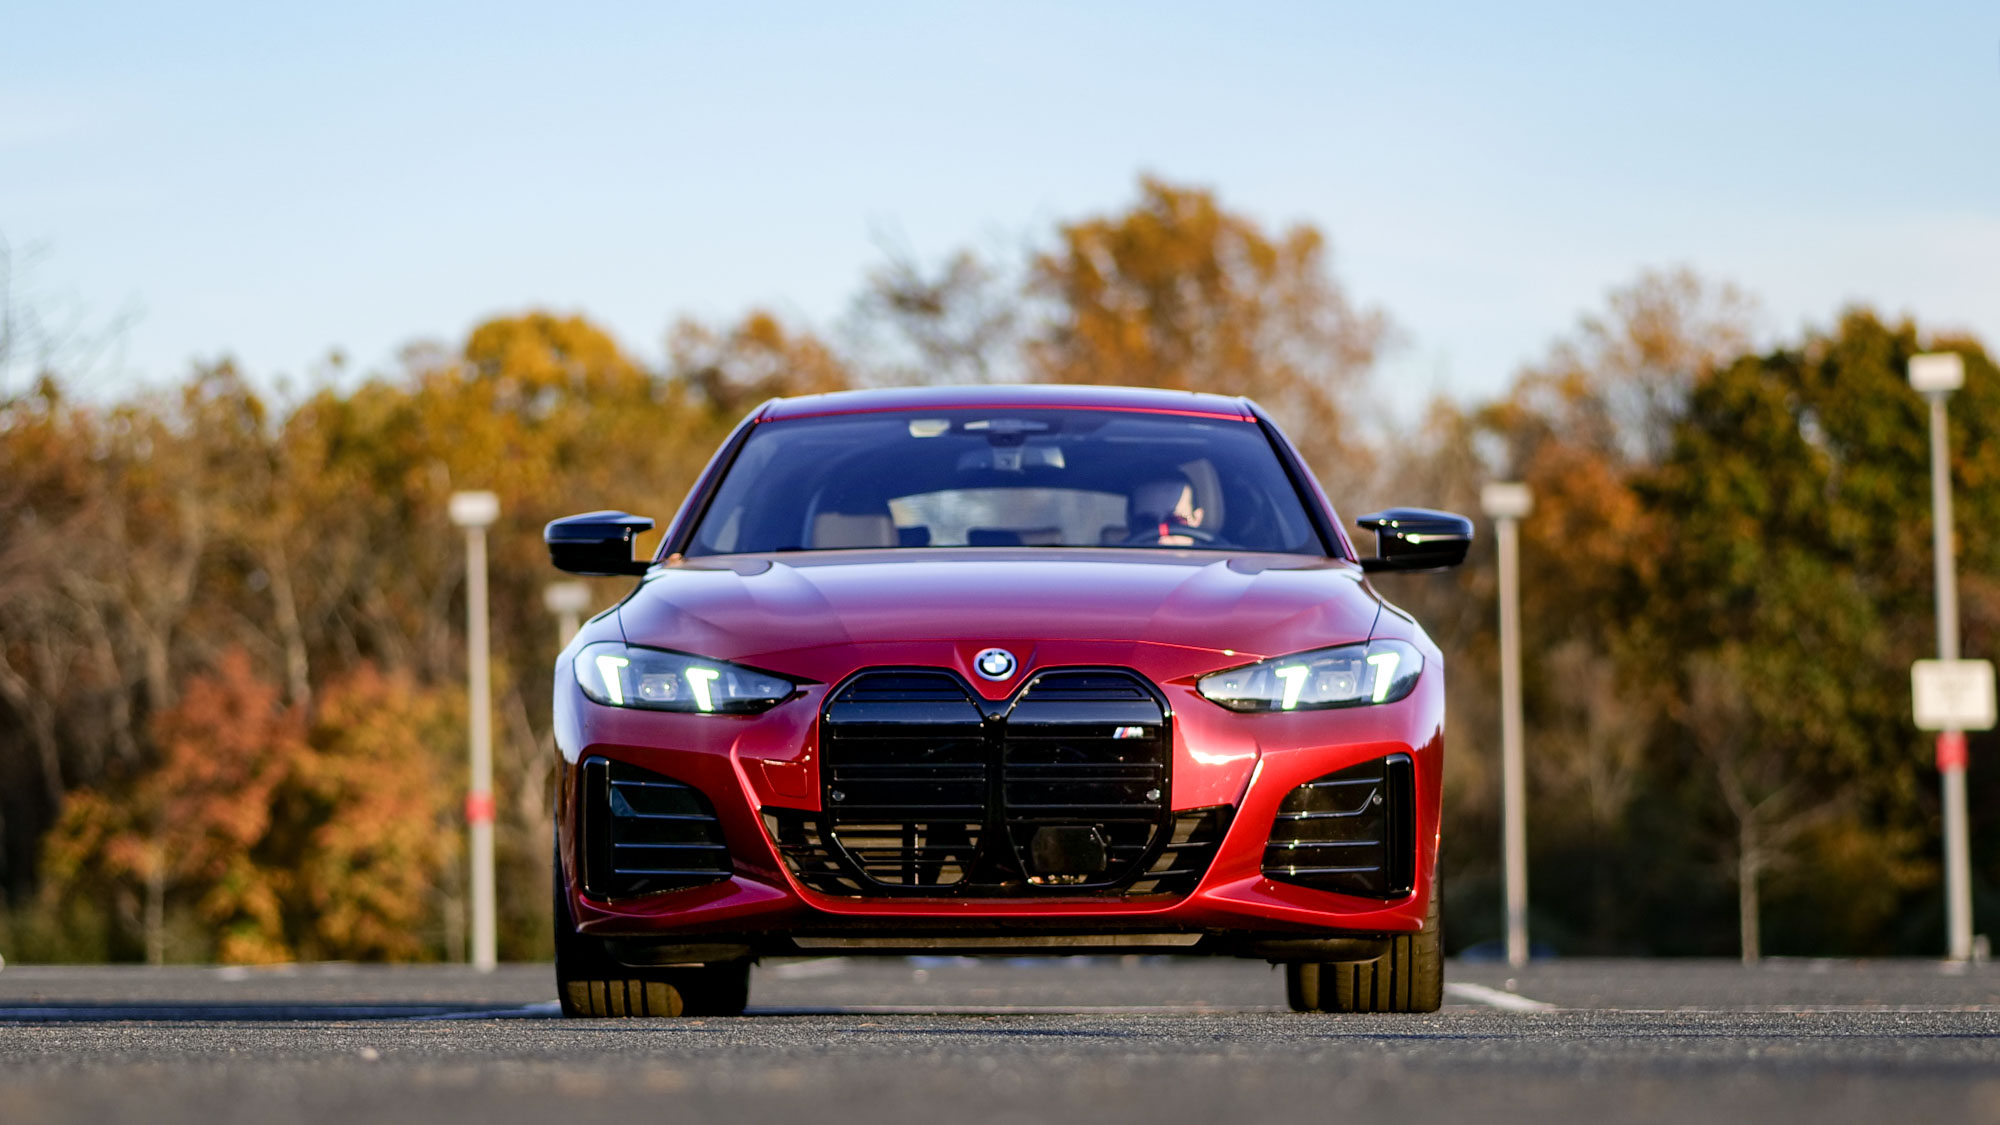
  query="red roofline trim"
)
[{"x": 939, "y": 407}]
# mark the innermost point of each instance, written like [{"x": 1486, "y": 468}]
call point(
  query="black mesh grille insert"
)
[
  {"x": 644, "y": 832},
  {"x": 1353, "y": 831},
  {"x": 929, "y": 789}
]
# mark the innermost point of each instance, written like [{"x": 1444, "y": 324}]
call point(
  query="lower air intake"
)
[
  {"x": 644, "y": 832},
  {"x": 1185, "y": 856},
  {"x": 1353, "y": 831}
]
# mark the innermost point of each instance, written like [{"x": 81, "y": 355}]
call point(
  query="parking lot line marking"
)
[
  {"x": 291, "y": 1012},
  {"x": 1017, "y": 1010},
  {"x": 542, "y": 1009},
  {"x": 1495, "y": 998}
]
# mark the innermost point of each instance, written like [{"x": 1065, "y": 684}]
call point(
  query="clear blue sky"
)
[{"x": 273, "y": 181}]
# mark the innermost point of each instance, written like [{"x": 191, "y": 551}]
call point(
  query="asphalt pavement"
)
[{"x": 956, "y": 1041}]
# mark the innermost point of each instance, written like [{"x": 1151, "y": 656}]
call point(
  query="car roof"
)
[{"x": 1008, "y": 395}]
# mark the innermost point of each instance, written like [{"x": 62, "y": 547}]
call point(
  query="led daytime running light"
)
[
  {"x": 650, "y": 679},
  {"x": 1359, "y": 675}
]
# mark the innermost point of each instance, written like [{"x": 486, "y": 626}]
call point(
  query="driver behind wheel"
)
[{"x": 1163, "y": 513}]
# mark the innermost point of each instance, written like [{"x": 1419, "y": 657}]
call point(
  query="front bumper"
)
[{"x": 748, "y": 767}]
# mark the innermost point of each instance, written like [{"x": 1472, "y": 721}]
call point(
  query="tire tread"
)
[
  {"x": 591, "y": 984},
  {"x": 1408, "y": 977}
]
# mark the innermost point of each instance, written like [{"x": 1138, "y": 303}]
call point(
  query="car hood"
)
[{"x": 756, "y": 608}]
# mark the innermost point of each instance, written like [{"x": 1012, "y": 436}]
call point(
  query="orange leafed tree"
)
[
  {"x": 192, "y": 827},
  {"x": 283, "y": 839},
  {"x": 1179, "y": 292},
  {"x": 377, "y": 789}
]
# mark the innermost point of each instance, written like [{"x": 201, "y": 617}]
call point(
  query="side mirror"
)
[
  {"x": 596, "y": 543},
  {"x": 1417, "y": 539}
]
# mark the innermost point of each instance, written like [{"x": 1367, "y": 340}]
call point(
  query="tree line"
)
[{"x": 231, "y": 623}]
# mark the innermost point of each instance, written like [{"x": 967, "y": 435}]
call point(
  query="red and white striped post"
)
[
  {"x": 1935, "y": 376},
  {"x": 475, "y": 511}
]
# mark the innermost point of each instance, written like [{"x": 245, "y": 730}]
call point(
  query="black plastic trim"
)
[
  {"x": 1353, "y": 831},
  {"x": 1301, "y": 477},
  {"x": 681, "y": 531},
  {"x": 695, "y": 855},
  {"x": 1416, "y": 539}
]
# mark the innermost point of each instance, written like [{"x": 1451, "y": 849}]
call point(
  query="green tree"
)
[{"x": 1793, "y": 591}]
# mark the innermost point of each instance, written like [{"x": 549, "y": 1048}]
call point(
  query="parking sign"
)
[{"x": 1952, "y": 694}]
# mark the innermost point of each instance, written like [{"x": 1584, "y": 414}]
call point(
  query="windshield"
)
[{"x": 1009, "y": 477}]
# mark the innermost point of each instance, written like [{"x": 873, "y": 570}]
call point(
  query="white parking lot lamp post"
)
[
  {"x": 1507, "y": 502},
  {"x": 568, "y": 601},
  {"x": 1935, "y": 376},
  {"x": 475, "y": 512}
]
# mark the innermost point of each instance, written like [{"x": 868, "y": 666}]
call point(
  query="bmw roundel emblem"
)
[{"x": 994, "y": 663}]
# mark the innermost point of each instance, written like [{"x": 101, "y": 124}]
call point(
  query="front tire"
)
[
  {"x": 1408, "y": 978},
  {"x": 590, "y": 983},
  {"x": 700, "y": 990}
]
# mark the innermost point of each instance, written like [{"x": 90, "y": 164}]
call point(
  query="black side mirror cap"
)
[
  {"x": 598, "y": 544},
  {"x": 1417, "y": 539}
]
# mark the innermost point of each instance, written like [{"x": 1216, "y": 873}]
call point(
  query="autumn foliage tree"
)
[
  {"x": 1179, "y": 292},
  {"x": 294, "y": 563},
  {"x": 284, "y": 838},
  {"x": 1174, "y": 290},
  {"x": 231, "y": 634}
]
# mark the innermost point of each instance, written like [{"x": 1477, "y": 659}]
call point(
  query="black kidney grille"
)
[
  {"x": 928, "y": 789},
  {"x": 644, "y": 832},
  {"x": 1086, "y": 749},
  {"x": 1353, "y": 831},
  {"x": 905, "y": 778}
]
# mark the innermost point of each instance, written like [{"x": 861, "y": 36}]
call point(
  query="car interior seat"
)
[{"x": 870, "y": 526}]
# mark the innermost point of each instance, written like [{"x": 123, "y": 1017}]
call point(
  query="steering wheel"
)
[{"x": 1151, "y": 538}]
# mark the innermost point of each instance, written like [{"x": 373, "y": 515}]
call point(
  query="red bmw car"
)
[{"x": 1000, "y": 670}]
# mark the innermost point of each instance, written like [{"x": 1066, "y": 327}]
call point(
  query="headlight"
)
[
  {"x": 652, "y": 679},
  {"x": 1348, "y": 676}
]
